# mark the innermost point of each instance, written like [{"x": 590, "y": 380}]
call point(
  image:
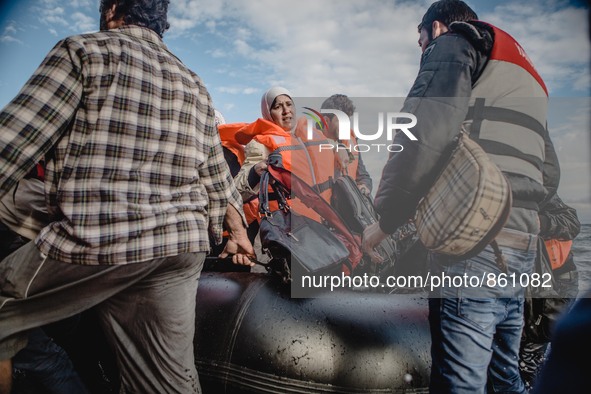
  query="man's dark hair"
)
[
  {"x": 446, "y": 12},
  {"x": 147, "y": 13},
  {"x": 339, "y": 102}
]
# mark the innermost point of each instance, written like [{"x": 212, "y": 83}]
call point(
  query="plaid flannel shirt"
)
[{"x": 135, "y": 169}]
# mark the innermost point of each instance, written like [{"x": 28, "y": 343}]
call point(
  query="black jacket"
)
[
  {"x": 558, "y": 220},
  {"x": 440, "y": 98}
]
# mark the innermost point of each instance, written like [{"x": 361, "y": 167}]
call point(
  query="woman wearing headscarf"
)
[
  {"x": 278, "y": 131},
  {"x": 278, "y": 119}
]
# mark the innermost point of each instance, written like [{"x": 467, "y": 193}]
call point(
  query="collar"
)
[{"x": 140, "y": 32}]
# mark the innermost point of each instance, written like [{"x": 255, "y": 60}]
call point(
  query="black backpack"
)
[{"x": 358, "y": 212}]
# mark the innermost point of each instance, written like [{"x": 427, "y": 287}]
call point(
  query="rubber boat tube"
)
[{"x": 251, "y": 337}]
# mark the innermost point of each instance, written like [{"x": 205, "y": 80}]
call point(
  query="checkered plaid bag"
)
[{"x": 467, "y": 205}]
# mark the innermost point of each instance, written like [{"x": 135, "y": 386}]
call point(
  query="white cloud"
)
[
  {"x": 211, "y": 25},
  {"x": 250, "y": 90},
  {"x": 179, "y": 25},
  {"x": 185, "y": 15},
  {"x": 316, "y": 48},
  {"x": 49, "y": 3},
  {"x": 237, "y": 90},
  {"x": 368, "y": 47},
  {"x": 83, "y": 23},
  {"x": 66, "y": 16},
  {"x": 8, "y": 38},
  {"x": 243, "y": 48},
  {"x": 53, "y": 16},
  {"x": 85, "y": 4},
  {"x": 10, "y": 33},
  {"x": 227, "y": 72},
  {"x": 559, "y": 47},
  {"x": 217, "y": 53},
  {"x": 52, "y": 4}
]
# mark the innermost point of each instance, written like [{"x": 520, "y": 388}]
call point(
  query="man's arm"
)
[
  {"x": 439, "y": 99},
  {"x": 6, "y": 376},
  {"x": 40, "y": 114},
  {"x": 215, "y": 176},
  {"x": 238, "y": 245},
  {"x": 247, "y": 179},
  {"x": 225, "y": 203}
]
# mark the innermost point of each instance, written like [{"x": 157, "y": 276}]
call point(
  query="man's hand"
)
[
  {"x": 342, "y": 159},
  {"x": 5, "y": 376},
  {"x": 241, "y": 250},
  {"x": 372, "y": 236},
  {"x": 363, "y": 189},
  {"x": 238, "y": 245}
]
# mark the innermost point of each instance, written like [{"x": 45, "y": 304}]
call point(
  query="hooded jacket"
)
[{"x": 467, "y": 81}]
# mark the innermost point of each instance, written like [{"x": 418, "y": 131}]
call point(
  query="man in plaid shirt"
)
[{"x": 135, "y": 178}]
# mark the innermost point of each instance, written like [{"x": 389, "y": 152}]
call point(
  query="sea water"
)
[{"x": 582, "y": 255}]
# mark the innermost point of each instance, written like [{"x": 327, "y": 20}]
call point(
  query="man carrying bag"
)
[{"x": 473, "y": 77}]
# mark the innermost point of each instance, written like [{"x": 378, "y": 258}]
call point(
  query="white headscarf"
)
[
  {"x": 219, "y": 118},
  {"x": 267, "y": 101}
]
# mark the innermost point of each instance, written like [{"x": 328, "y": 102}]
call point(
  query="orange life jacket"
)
[
  {"x": 227, "y": 132},
  {"x": 558, "y": 251},
  {"x": 228, "y": 137},
  {"x": 299, "y": 155}
]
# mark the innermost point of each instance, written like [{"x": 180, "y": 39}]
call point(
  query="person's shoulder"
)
[
  {"x": 82, "y": 42},
  {"x": 78, "y": 45},
  {"x": 448, "y": 47},
  {"x": 462, "y": 43},
  {"x": 91, "y": 36},
  {"x": 127, "y": 34},
  {"x": 254, "y": 146},
  {"x": 478, "y": 34}
]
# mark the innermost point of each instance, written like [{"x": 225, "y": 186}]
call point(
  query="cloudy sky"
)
[{"x": 362, "y": 48}]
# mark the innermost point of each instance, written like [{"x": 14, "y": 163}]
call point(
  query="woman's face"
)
[{"x": 283, "y": 112}]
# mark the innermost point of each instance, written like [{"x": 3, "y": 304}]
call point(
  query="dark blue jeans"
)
[
  {"x": 45, "y": 367},
  {"x": 476, "y": 331}
]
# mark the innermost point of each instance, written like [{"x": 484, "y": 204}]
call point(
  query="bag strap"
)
[
  {"x": 310, "y": 197},
  {"x": 473, "y": 134},
  {"x": 345, "y": 170},
  {"x": 499, "y": 258},
  {"x": 264, "y": 194},
  {"x": 279, "y": 191}
]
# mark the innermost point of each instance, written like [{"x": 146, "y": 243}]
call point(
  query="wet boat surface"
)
[{"x": 252, "y": 337}]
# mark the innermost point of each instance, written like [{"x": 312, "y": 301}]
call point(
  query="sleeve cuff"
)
[{"x": 241, "y": 211}]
